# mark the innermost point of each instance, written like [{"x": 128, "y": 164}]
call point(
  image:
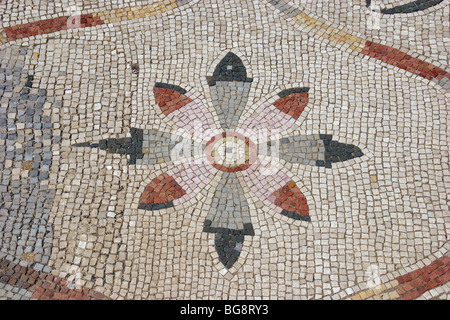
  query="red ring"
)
[{"x": 252, "y": 156}]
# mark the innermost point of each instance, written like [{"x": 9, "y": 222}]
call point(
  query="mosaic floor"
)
[{"x": 232, "y": 149}]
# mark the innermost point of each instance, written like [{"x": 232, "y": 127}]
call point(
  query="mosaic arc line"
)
[
  {"x": 340, "y": 37},
  {"x": 387, "y": 289},
  {"x": 410, "y": 7},
  {"x": 43, "y": 286},
  {"x": 345, "y": 40},
  {"x": 411, "y": 285},
  {"x": 48, "y": 26}
]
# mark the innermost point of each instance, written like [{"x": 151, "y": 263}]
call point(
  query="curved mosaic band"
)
[
  {"x": 345, "y": 41},
  {"x": 42, "y": 285},
  {"x": 411, "y": 285},
  {"x": 410, "y": 7},
  {"x": 49, "y": 26},
  {"x": 41, "y": 27}
]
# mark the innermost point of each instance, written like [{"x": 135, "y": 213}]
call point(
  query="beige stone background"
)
[{"x": 398, "y": 121}]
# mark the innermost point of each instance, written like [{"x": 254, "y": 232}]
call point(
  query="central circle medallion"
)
[{"x": 231, "y": 152}]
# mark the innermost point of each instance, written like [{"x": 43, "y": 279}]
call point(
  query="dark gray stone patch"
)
[
  {"x": 288, "y": 92},
  {"x": 135, "y": 68},
  {"x": 295, "y": 216},
  {"x": 131, "y": 146},
  {"x": 25, "y": 202},
  {"x": 170, "y": 87},
  {"x": 228, "y": 247},
  {"x": 410, "y": 7},
  {"x": 338, "y": 152},
  {"x": 230, "y": 68}
]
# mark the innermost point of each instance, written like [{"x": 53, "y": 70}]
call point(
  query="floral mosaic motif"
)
[{"x": 229, "y": 148}]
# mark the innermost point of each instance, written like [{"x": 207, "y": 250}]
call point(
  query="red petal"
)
[
  {"x": 293, "y": 104},
  {"x": 170, "y": 100},
  {"x": 162, "y": 189},
  {"x": 290, "y": 198}
]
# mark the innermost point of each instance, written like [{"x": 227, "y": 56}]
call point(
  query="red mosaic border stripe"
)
[
  {"x": 345, "y": 40},
  {"x": 412, "y": 285},
  {"x": 43, "y": 286},
  {"x": 403, "y": 61},
  {"x": 416, "y": 283},
  {"x": 51, "y": 25},
  {"x": 378, "y": 51}
]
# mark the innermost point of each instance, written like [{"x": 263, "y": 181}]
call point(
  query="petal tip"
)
[
  {"x": 228, "y": 247},
  {"x": 230, "y": 68}
]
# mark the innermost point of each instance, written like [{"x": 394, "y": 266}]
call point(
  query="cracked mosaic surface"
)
[{"x": 183, "y": 149}]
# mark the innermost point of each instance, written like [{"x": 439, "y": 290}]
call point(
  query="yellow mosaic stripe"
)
[
  {"x": 137, "y": 12},
  {"x": 328, "y": 32},
  {"x": 3, "y": 40},
  {"x": 382, "y": 292}
]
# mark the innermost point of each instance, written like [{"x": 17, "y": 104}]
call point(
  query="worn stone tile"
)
[{"x": 230, "y": 149}]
